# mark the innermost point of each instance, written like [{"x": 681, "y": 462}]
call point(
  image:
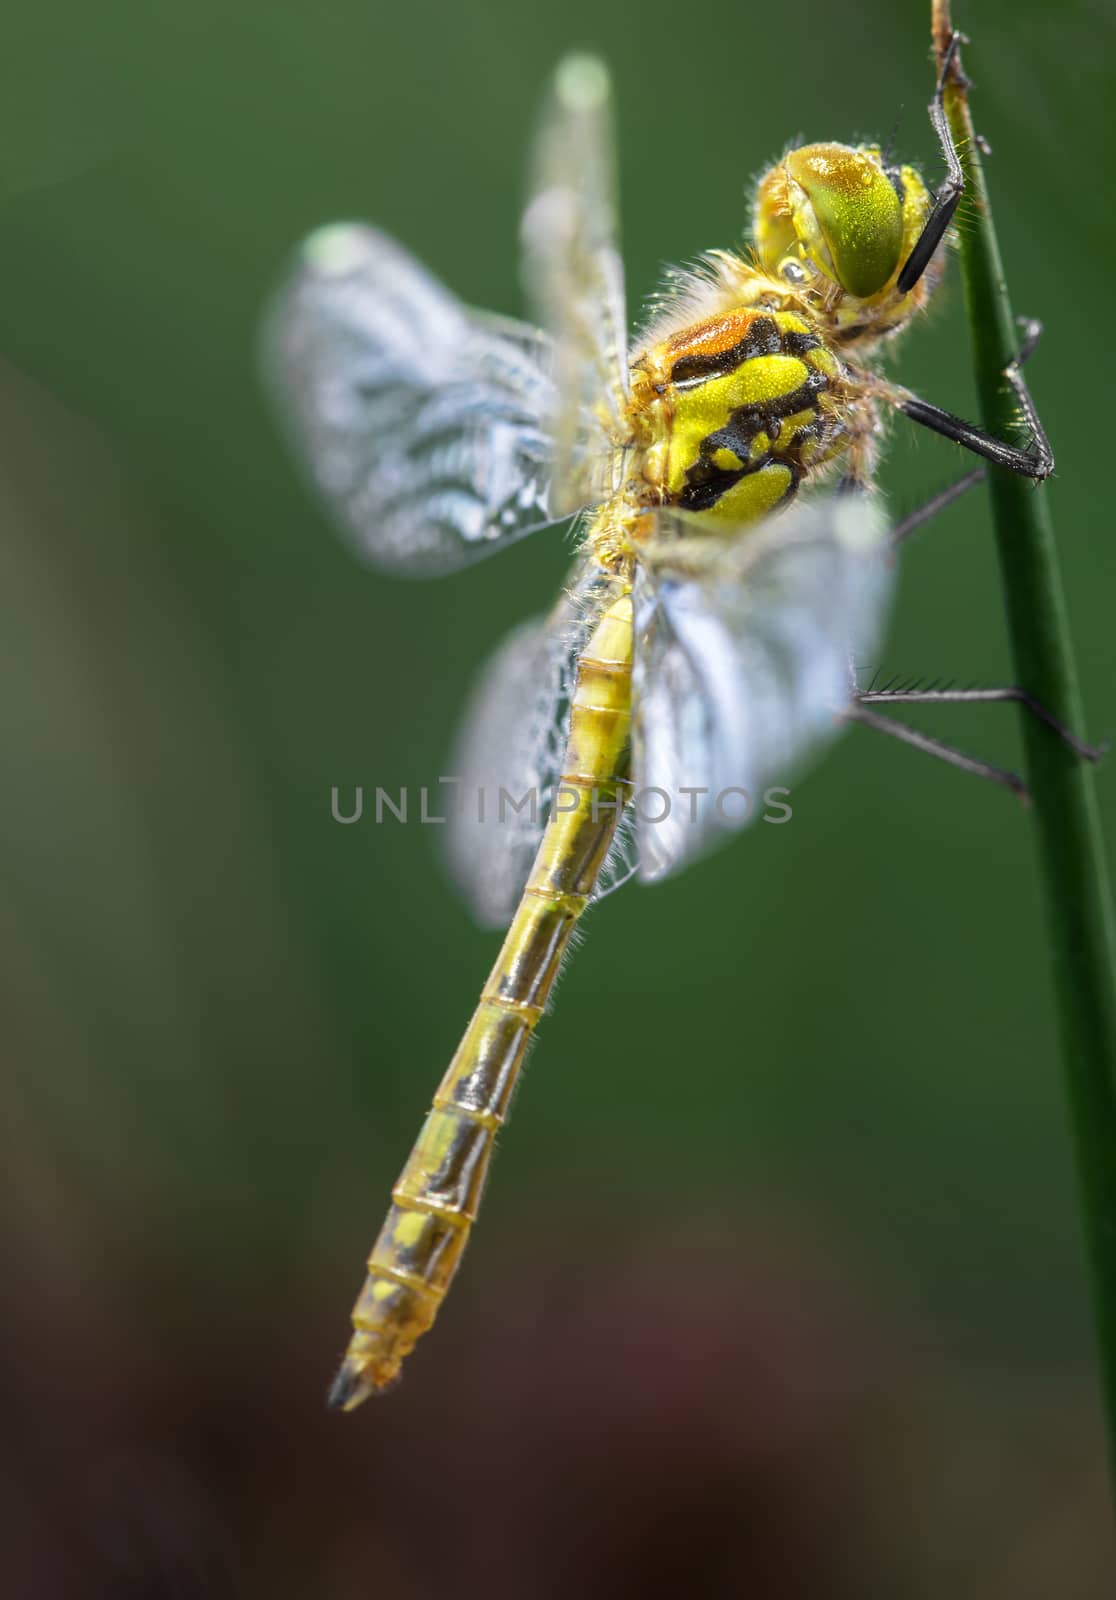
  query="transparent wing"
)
[
  {"x": 743, "y": 663},
  {"x": 422, "y": 424},
  {"x": 503, "y": 768},
  {"x": 622, "y": 863},
  {"x": 509, "y": 757},
  {"x": 575, "y": 278}
]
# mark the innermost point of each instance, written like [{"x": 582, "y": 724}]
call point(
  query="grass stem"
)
[{"x": 1078, "y": 900}]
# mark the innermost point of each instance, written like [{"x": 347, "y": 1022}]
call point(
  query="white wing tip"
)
[
  {"x": 582, "y": 83},
  {"x": 336, "y": 249}
]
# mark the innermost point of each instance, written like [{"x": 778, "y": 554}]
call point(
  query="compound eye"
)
[{"x": 847, "y": 214}]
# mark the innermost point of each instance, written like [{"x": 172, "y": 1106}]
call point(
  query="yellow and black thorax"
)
[{"x": 732, "y": 413}]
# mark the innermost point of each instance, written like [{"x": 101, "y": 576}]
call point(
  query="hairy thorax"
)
[{"x": 732, "y": 413}]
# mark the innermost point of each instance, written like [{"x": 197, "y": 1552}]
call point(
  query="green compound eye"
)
[{"x": 847, "y": 214}]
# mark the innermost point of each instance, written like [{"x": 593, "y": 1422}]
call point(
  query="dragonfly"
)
[{"x": 734, "y": 560}]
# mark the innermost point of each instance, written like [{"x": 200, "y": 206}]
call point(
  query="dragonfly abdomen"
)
[{"x": 435, "y": 1200}]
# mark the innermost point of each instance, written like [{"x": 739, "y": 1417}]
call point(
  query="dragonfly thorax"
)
[{"x": 731, "y": 413}]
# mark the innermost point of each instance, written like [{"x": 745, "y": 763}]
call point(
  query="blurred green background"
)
[{"x": 778, "y": 1286}]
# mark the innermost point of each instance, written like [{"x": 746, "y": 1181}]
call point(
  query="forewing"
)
[
  {"x": 743, "y": 664},
  {"x": 422, "y": 424},
  {"x": 575, "y": 279},
  {"x": 509, "y": 757}
]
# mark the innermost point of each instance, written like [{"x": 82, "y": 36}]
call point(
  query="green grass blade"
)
[{"x": 1077, "y": 894}]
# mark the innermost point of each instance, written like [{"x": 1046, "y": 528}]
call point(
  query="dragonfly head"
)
[{"x": 841, "y": 212}]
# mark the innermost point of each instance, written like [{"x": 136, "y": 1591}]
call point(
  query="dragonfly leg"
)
[
  {"x": 858, "y": 712},
  {"x": 1036, "y": 460},
  {"x": 938, "y": 502},
  {"x": 993, "y": 696},
  {"x": 1032, "y": 332},
  {"x": 953, "y": 185}
]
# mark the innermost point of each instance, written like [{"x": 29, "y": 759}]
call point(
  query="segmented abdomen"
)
[{"x": 436, "y": 1198}]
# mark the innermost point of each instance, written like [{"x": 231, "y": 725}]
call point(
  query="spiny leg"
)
[
  {"x": 1040, "y": 444},
  {"x": 1032, "y": 333},
  {"x": 990, "y": 696},
  {"x": 938, "y": 502},
  {"x": 902, "y": 731},
  {"x": 950, "y": 191},
  {"x": 1037, "y": 460}
]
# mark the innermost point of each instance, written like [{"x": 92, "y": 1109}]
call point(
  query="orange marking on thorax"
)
[{"x": 710, "y": 338}]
